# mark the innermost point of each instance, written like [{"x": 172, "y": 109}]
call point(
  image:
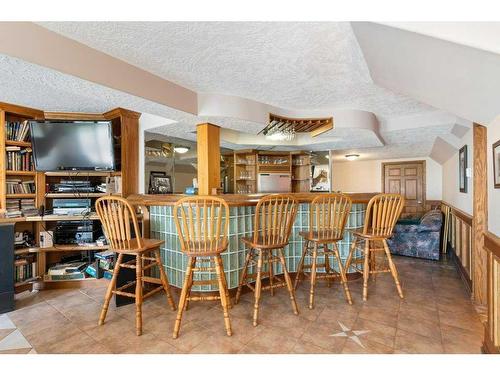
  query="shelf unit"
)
[
  {"x": 245, "y": 172},
  {"x": 15, "y": 113},
  {"x": 301, "y": 172},
  {"x": 249, "y": 163},
  {"x": 125, "y": 126}
]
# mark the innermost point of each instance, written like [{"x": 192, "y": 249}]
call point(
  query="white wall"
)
[
  {"x": 451, "y": 192},
  {"x": 493, "y": 194},
  {"x": 365, "y": 176}
]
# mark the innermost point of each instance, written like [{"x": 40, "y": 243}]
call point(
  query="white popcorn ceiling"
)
[
  {"x": 292, "y": 65},
  {"x": 299, "y": 65}
]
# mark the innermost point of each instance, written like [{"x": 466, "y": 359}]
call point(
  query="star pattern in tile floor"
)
[
  {"x": 12, "y": 340},
  {"x": 350, "y": 334},
  {"x": 436, "y": 316}
]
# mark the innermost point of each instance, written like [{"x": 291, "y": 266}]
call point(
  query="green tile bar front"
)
[{"x": 162, "y": 227}]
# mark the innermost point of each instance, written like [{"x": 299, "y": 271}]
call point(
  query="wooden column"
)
[
  {"x": 480, "y": 215},
  {"x": 128, "y": 121},
  {"x": 208, "y": 145}
]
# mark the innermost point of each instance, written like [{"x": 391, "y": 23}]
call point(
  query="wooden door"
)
[{"x": 408, "y": 179}]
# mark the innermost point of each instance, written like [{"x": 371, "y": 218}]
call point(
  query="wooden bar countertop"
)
[{"x": 234, "y": 200}]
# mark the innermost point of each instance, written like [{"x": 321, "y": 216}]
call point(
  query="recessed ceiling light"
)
[
  {"x": 181, "y": 149},
  {"x": 352, "y": 157}
]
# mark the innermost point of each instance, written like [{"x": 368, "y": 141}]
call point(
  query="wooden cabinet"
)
[
  {"x": 245, "y": 172},
  {"x": 249, "y": 163},
  {"x": 125, "y": 125}
]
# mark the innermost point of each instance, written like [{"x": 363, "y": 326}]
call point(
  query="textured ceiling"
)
[
  {"x": 297, "y": 65},
  {"x": 311, "y": 66}
]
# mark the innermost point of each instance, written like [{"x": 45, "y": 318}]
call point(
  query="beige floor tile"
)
[
  {"x": 303, "y": 347},
  {"x": 369, "y": 347},
  {"x": 52, "y": 334},
  {"x": 269, "y": 341},
  {"x": 377, "y": 332},
  {"x": 16, "y": 351},
  {"x": 321, "y": 334},
  {"x": 73, "y": 344},
  {"x": 461, "y": 341},
  {"x": 409, "y": 342},
  {"x": 380, "y": 315},
  {"x": 435, "y": 316},
  {"x": 428, "y": 312},
  {"x": 190, "y": 335},
  {"x": 469, "y": 321},
  {"x": 419, "y": 326},
  {"x": 218, "y": 344}
]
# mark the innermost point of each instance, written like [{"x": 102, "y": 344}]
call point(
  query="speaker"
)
[{"x": 6, "y": 268}]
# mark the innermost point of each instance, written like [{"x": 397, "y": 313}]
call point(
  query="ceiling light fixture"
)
[
  {"x": 352, "y": 157},
  {"x": 181, "y": 149}
]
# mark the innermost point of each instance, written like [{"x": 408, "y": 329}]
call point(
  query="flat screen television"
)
[{"x": 72, "y": 145}]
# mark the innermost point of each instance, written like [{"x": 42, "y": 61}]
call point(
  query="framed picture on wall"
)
[
  {"x": 160, "y": 183},
  {"x": 496, "y": 164},
  {"x": 462, "y": 169}
]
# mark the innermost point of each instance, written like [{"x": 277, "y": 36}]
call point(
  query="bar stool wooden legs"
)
[
  {"x": 382, "y": 212},
  {"x": 215, "y": 264},
  {"x": 265, "y": 257},
  {"x": 121, "y": 227},
  {"x": 327, "y": 217},
  {"x": 274, "y": 216},
  {"x": 202, "y": 223},
  {"x": 311, "y": 248},
  {"x": 370, "y": 266},
  {"x": 139, "y": 265}
]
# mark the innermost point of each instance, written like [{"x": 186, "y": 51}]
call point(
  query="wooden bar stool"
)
[
  {"x": 203, "y": 229},
  {"x": 117, "y": 217},
  {"x": 274, "y": 217},
  {"x": 328, "y": 215},
  {"x": 382, "y": 213}
]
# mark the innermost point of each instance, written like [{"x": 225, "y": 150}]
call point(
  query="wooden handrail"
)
[
  {"x": 465, "y": 217},
  {"x": 491, "y": 342},
  {"x": 492, "y": 244}
]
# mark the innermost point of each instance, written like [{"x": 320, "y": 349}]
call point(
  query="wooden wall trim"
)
[
  {"x": 465, "y": 217},
  {"x": 480, "y": 214},
  {"x": 117, "y": 112},
  {"x": 74, "y": 116},
  {"x": 492, "y": 244},
  {"x": 20, "y": 110}
]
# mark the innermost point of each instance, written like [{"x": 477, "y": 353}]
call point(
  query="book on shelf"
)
[
  {"x": 19, "y": 159},
  {"x": 20, "y": 207},
  {"x": 28, "y": 207},
  {"x": 18, "y": 186},
  {"x": 17, "y": 131},
  {"x": 25, "y": 268},
  {"x": 67, "y": 276},
  {"x": 67, "y": 268},
  {"x": 13, "y": 208}
]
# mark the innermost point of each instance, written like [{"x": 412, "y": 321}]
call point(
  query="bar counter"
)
[{"x": 242, "y": 210}]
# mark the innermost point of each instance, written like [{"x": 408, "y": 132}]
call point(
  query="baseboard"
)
[
  {"x": 461, "y": 270},
  {"x": 488, "y": 347}
]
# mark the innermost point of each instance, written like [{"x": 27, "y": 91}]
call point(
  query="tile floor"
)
[{"x": 436, "y": 316}]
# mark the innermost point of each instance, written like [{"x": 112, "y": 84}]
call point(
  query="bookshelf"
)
[
  {"x": 125, "y": 125},
  {"x": 15, "y": 140}
]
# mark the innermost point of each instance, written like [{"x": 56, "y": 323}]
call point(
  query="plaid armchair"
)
[{"x": 420, "y": 238}]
